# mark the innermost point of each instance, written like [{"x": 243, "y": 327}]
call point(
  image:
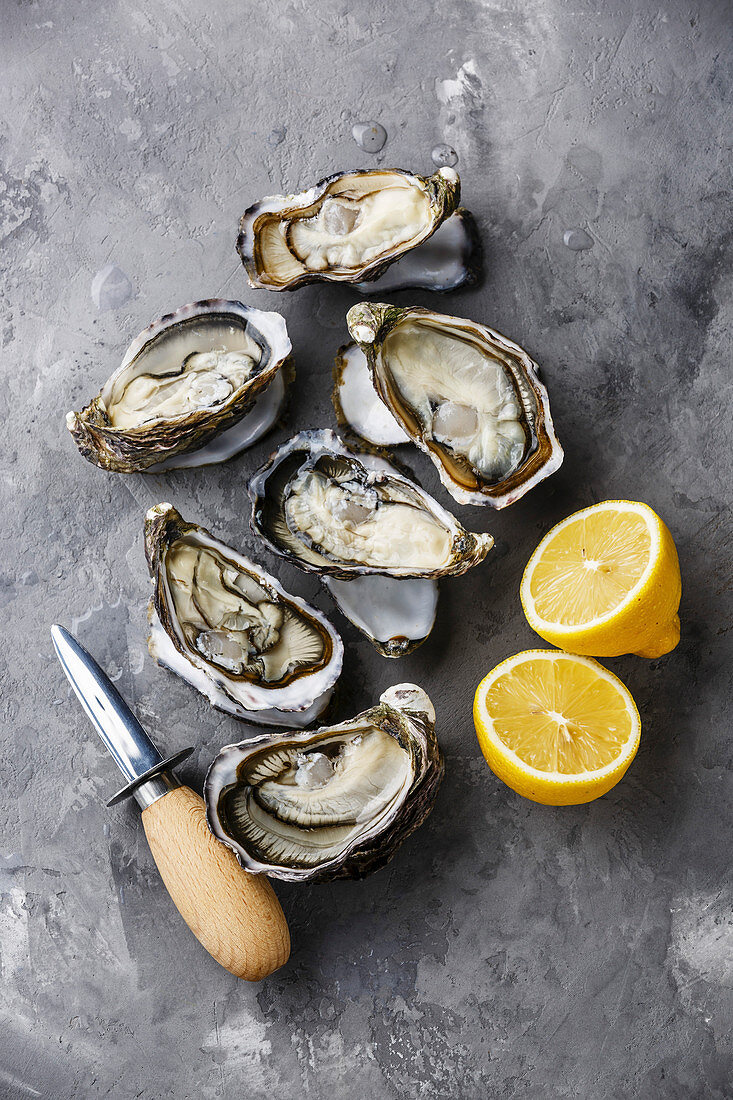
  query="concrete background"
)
[{"x": 509, "y": 950}]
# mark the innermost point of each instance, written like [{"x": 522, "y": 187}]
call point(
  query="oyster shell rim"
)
[
  {"x": 364, "y": 854},
  {"x": 369, "y": 323},
  {"x": 134, "y": 450},
  {"x": 340, "y": 366},
  {"x": 444, "y": 195}
]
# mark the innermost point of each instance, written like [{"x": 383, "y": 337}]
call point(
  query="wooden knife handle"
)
[{"x": 235, "y": 915}]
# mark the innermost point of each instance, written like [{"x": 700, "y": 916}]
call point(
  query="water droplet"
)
[
  {"x": 369, "y": 136},
  {"x": 111, "y": 288},
  {"x": 277, "y": 136},
  {"x": 444, "y": 156},
  {"x": 577, "y": 240}
]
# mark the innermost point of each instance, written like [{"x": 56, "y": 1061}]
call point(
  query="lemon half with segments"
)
[
  {"x": 556, "y": 727},
  {"x": 606, "y": 581}
]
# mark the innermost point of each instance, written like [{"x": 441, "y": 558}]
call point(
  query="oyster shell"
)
[
  {"x": 311, "y": 504},
  {"x": 188, "y": 378},
  {"x": 451, "y": 258},
  {"x": 227, "y": 627},
  {"x": 330, "y": 511},
  {"x": 467, "y": 396},
  {"x": 348, "y": 228},
  {"x": 359, "y": 410},
  {"x": 396, "y": 614},
  {"x": 331, "y": 803}
]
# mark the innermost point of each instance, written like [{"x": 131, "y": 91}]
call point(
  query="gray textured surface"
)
[{"x": 509, "y": 950}]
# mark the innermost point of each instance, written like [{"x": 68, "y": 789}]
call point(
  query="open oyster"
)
[
  {"x": 319, "y": 505},
  {"x": 467, "y": 396},
  {"x": 191, "y": 378},
  {"x": 331, "y": 803},
  {"x": 348, "y": 228},
  {"x": 451, "y": 258},
  {"x": 226, "y": 626},
  {"x": 377, "y": 540}
]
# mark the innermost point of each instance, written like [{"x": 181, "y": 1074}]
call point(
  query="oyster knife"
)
[{"x": 235, "y": 915}]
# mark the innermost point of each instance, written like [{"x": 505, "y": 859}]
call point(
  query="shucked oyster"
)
[
  {"x": 378, "y": 541},
  {"x": 193, "y": 376},
  {"x": 396, "y": 613},
  {"x": 333, "y": 803},
  {"x": 467, "y": 396},
  {"x": 318, "y": 504},
  {"x": 348, "y": 228},
  {"x": 227, "y": 627},
  {"x": 255, "y": 424}
]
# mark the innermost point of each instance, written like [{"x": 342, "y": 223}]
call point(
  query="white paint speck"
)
[
  {"x": 446, "y": 90},
  {"x": 131, "y": 128}
]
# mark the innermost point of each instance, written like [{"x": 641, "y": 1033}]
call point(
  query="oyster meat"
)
[
  {"x": 331, "y": 803},
  {"x": 467, "y": 396},
  {"x": 348, "y": 228},
  {"x": 226, "y": 626},
  {"x": 319, "y": 505},
  {"x": 255, "y": 424},
  {"x": 184, "y": 388},
  {"x": 451, "y": 258}
]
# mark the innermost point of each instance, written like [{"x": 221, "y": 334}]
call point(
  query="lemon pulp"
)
[
  {"x": 590, "y": 567},
  {"x": 556, "y": 727},
  {"x": 559, "y": 717}
]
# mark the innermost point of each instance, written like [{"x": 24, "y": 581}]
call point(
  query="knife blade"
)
[{"x": 148, "y": 775}]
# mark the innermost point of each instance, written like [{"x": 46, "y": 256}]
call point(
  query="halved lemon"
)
[
  {"x": 606, "y": 581},
  {"x": 555, "y": 727}
]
